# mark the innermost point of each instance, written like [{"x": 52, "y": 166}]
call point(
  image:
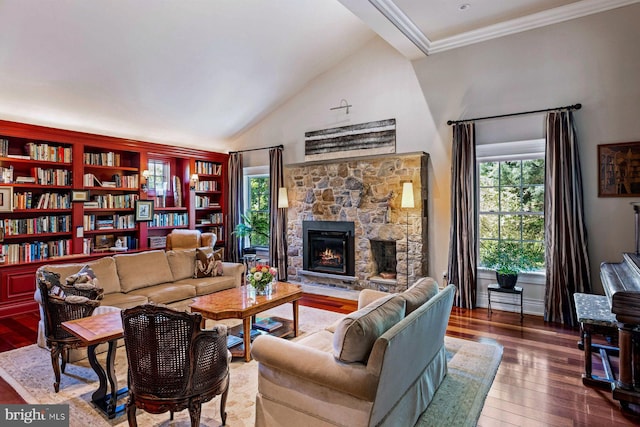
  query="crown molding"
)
[{"x": 552, "y": 16}]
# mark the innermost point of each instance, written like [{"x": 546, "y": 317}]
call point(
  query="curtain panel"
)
[
  {"x": 463, "y": 242},
  {"x": 235, "y": 204},
  {"x": 566, "y": 255},
  {"x": 278, "y": 217}
]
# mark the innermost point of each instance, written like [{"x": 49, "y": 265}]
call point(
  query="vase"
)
[
  {"x": 507, "y": 281},
  {"x": 262, "y": 289}
]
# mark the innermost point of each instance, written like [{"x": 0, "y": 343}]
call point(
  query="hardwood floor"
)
[{"x": 538, "y": 382}]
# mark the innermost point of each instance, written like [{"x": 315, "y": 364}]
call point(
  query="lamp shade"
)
[
  {"x": 283, "y": 198},
  {"x": 407, "y": 195}
]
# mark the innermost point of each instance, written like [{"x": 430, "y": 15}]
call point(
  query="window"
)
[
  {"x": 256, "y": 212},
  {"x": 511, "y": 212},
  {"x": 159, "y": 173}
]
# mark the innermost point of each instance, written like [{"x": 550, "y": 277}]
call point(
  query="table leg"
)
[
  {"x": 108, "y": 403},
  {"x": 295, "y": 318},
  {"x": 246, "y": 326},
  {"x": 101, "y": 392}
]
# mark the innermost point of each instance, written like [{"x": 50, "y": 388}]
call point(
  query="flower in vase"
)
[{"x": 260, "y": 276}]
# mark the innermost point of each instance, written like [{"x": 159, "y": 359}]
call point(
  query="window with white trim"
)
[
  {"x": 511, "y": 199},
  {"x": 256, "y": 209}
]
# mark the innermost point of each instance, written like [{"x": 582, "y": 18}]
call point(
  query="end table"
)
[{"x": 517, "y": 290}]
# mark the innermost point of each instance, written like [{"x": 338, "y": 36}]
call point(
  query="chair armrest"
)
[
  {"x": 234, "y": 269},
  {"x": 306, "y": 364},
  {"x": 367, "y": 296}
]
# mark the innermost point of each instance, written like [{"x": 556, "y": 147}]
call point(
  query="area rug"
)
[{"x": 458, "y": 401}]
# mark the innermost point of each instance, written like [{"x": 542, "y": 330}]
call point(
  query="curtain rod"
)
[
  {"x": 568, "y": 107},
  {"x": 256, "y": 149}
]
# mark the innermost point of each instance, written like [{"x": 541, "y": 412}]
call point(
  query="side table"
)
[{"x": 517, "y": 290}]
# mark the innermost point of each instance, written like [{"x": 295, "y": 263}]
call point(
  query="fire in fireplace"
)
[{"x": 328, "y": 247}]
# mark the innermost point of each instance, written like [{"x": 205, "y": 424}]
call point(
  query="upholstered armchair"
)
[
  {"x": 189, "y": 239},
  {"x": 62, "y": 302},
  {"x": 173, "y": 364}
]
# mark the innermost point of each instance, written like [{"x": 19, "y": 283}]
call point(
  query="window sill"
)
[{"x": 529, "y": 277}]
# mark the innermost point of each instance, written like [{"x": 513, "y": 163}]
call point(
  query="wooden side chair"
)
[
  {"x": 173, "y": 364},
  {"x": 60, "y": 303}
]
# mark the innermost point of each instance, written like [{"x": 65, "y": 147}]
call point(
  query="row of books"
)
[
  {"x": 52, "y": 176},
  {"x": 217, "y": 230},
  {"x": 206, "y": 202},
  {"x": 108, "y": 222},
  {"x": 102, "y": 159},
  {"x": 214, "y": 218},
  {"x": 4, "y": 147},
  {"x": 119, "y": 181},
  {"x": 169, "y": 219},
  {"x": 48, "y": 153},
  {"x": 112, "y": 201},
  {"x": 43, "y": 201},
  {"x": 34, "y": 251},
  {"x": 38, "y": 225},
  {"x": 208, "y": 186},
  {"x": 208, "y": 168}
]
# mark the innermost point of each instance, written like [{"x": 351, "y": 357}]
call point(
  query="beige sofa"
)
[
  {"x": 376, "y": 367},
  {"x": 154, "y": 276}
]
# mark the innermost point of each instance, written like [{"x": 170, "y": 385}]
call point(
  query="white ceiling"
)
[{"x": 197, "y": 73}]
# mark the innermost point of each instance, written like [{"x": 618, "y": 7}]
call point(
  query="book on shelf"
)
[
  {"x": 91, "y": 205},
  {"x": 267, "y": 324},
  {"x": 233, "y": 341},
  {"x": 25, "y": 180},
  {"x": 254, "y": 333},
  {"x": 19, "y": 156}
]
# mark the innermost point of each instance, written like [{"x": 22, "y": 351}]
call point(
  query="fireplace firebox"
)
[{"x": 328, "y": 247}]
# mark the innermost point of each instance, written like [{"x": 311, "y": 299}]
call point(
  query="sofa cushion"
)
[
  {"x": 166, "y": 293},
  {"x": 122, "y": 300},
  {"x": 354, "y": 336},
  {"x": 208, "y": 263},
  {"x": 419, "y": 293},
  {"x": 142, "y": 270},
  {"x": 104, "y": 269},
  {"x": 181, "y": 263},
  {"x": 209, "y": 285}
]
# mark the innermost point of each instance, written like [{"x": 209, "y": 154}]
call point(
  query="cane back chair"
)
[
  {"x": 62, "y": 302},
  {"x": 173, "y": 364}
]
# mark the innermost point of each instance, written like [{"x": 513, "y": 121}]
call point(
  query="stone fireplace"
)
[
  {"x": 328, "y": 247},
  {"x": 388, "y": 243}
]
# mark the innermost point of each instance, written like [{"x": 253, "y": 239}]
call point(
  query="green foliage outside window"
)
[
  {"x": 255, "y": 221},
  {"x": 511, "y": 218}
]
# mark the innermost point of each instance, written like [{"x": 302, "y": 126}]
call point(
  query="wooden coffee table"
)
[
  {"x": 95, "y": 330},
  {"x": 242, "y": 303}
]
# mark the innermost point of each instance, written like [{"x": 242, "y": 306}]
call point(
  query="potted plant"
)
[
  {"x": 255, "y": 227},
  {"x": 508, "y": 259}
]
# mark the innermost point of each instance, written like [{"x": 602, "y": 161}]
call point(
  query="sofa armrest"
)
[
  {"x": 234, "y": 269},
  {"x": 367, "y": 296},
  {"x": 307, "y": 364}
]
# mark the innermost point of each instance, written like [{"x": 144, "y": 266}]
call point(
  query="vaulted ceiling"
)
[{"x": 197, "y": 73}]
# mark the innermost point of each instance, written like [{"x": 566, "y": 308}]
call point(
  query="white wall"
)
[{"x": 592, "y": 60}]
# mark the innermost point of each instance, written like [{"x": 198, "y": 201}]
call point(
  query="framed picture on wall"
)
[
  {"x": 619, "y": 170},
  {"x": 6, "y": 199},
  {"x": 144, "y": 210},
  {"x": 79, "y": 195}
]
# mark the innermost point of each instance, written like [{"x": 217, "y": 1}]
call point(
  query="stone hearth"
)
[{"x": 366, "y": 191}]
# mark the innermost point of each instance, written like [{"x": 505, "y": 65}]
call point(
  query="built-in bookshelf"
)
[
  {"x": 209, "y": 201},
  {"x": 68, "y": 195}
]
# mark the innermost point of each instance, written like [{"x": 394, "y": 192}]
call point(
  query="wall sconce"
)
[
  {"x": 194, "y": 181},
  {"x": 407, "y": 203},
  {"x": 343, "y": 104},
  {"x": 145, "y": 176},
  {"x": 283, "y": 198}
]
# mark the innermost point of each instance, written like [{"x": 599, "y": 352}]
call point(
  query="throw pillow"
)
[
  {"x": 208, "y": 263},
  {"x": 355, "y": 334},
  {"x": 421, "y": 291},
  {"x": 84, "y": 279}
]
